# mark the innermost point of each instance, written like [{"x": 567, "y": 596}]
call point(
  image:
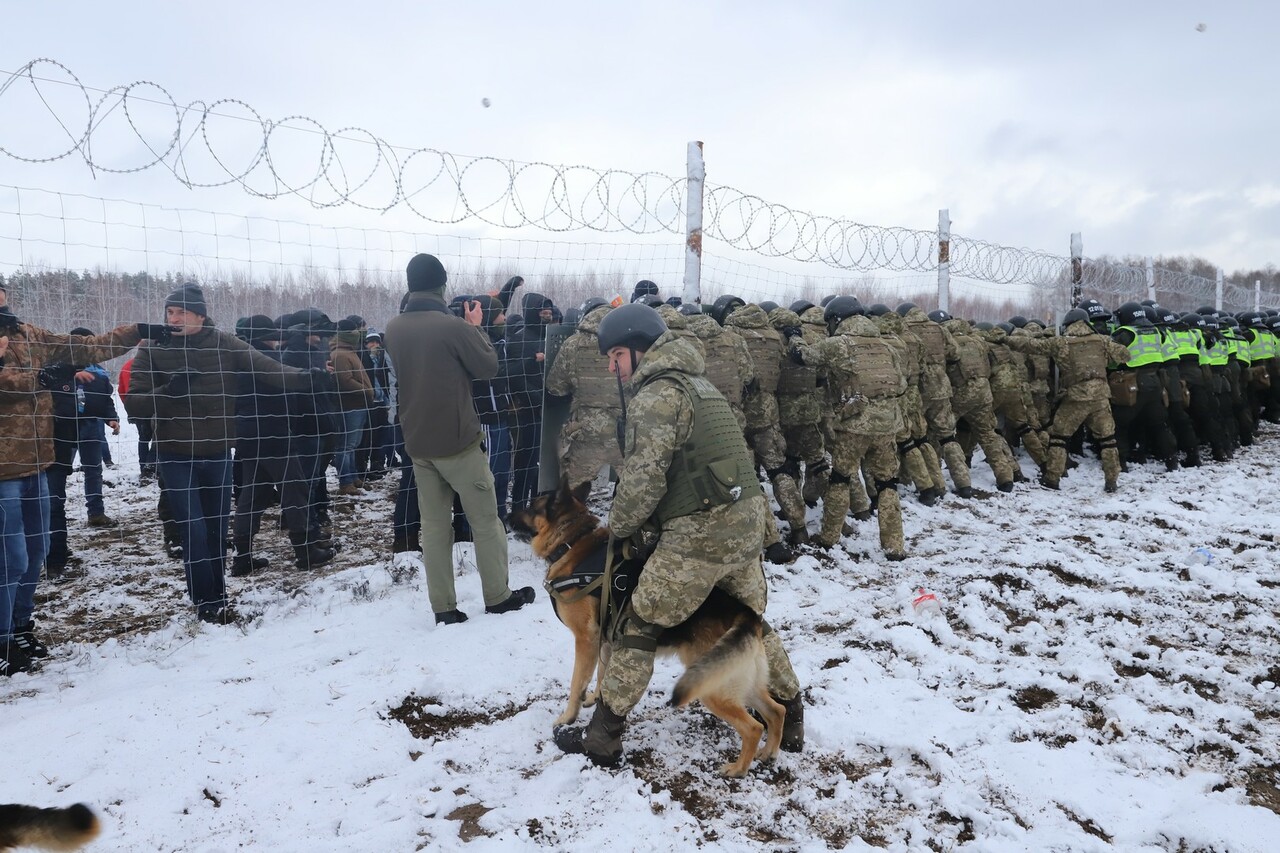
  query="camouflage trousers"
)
[
  {"x": 1020, "y": 415},
  {"x": 770, "y": 448},
  {"x": 587, "y": 444},
  {"x": 941, "y": 422},
  {"x": 850, "y": 452},
  {"x": 805, "y": 445},
  {"x": 919, "y": 460},
  {"x": 671, "y": 587},
  {"x": 976, "y": 409},
  {"x": 1096, "y": 415}
]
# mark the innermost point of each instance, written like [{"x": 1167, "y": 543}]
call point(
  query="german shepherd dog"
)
[
  {"x": 720, "y": 645},
  {"x": 50, "y": 829}
]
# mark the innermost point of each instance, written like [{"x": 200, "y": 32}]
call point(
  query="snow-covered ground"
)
[{"x": 1086, "y": 687}]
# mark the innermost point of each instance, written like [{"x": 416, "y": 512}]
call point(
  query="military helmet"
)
[
  {"x": 652, "y": 300},
  {"x": 878, "y": 310},
  {"x": 590, "y": 304},
  {"x": 768, "y": 305},
  {"x": 802, "y": 305},
  {"x": 724, "y": 306},
  {"x": 1018, "y": 321},
  {"x": 905, "y": 308},
  {"x": 633, "y": 325},
  {"x": 1150, "y": 303},
  {"x": 572, "y": 317},
  {"x": 1152, "y": 313},
  {"x": 1036, "y": 321},
  {"x": 675, "y": 301},
  {"x": 1226, "y": 321},
  {"x": 1007, "y": 328},
  {"x": 1207, "y": 311},
  {"x": 827, "y": 299},
  {"x": 940, "y": 316},
  {"x": 1075, "y": 315},
  {"x": 1211, "y": 321},
  {"x": 1252, "y": 319},
  {"x": 984, "y": 326},
  {"x": 842, "y": 307},
  {"x": 1193, "y": 320},
  {"x": 1165, "y": 317},
  {"x": 691, "y": 309},
  {"x": 1132, "y": 314}
]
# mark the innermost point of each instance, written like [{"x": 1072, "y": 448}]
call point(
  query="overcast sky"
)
[{"x": 1027, "y": 120}]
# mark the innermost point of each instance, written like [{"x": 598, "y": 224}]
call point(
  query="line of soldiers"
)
[{"x": 840, "y": 402}]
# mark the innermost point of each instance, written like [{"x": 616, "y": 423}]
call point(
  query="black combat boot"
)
[
  {"x": 779, "y": 554},
  {"x": 600, "y": 740},
  {"x": 793, "y": 727},
  {"x": 309, "y": 554}
]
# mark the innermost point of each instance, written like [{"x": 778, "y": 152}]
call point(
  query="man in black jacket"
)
[{"x": 524, "y": 367}]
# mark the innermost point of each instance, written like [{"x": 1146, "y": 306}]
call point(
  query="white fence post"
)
[
  {"x": 1077, "y": 268},
  {"x": 1151, "y": 280},
  {"x": 1217, "y": 292},
  {"x": 697, "y": 177},
  {"x": 944, "y": 260},
  {"x": 1257, "y": 294}
]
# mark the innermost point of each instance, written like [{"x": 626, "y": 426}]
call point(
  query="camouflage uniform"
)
[
  {"x": 589, "y": 440},
  {"x": 718, "y": 547},
  {"x": 1039, "y": 373},
  {"x": 814, "y": 329},
  {"x": 866, "y": 382},
  {"x": 800, "y": 401},
  {"x": 971, "y": 398},
  {"x": 1011, "y": 395},
  {"x": 918, "y": 458},
  {"x": 1082, "y": 356},
  {"x": 935, "y": 393},
  {"x": 763, "y": 431}
]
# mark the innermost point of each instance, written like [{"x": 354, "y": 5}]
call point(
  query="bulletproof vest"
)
[
  {"x": 766, "y": 356},
  {"x": 1087, "y": 359},
  {"x": 1263, "y": 345},
  {"x": 795, "y": 380},
  {"x": 1146, "y": 348},
  {"x": 1215, "y": 354},
  {"x": 594, "y": 386},
  {"x": 1186, "y": 344},
  {"x": 974, "y": 361},
  {"x": 722, "y": 368},
  {"x": 935, "y": 347},
  {"x": 874, "y": 373},
  {"x": 1239, "y": 347},
  {"x": 714, "y": 465}
]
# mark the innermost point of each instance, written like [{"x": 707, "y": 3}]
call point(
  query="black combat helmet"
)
[
  {"x": 1131, "y": 314},
  {"x": 691, "y": 309},
  {"x": 1018, "y": 321},
  {"x": 1211, "y": 321},
  {"x": 826, "y": 300},
  {"x": 905, "y": 308},
  {"x": 634, "y": 325},
  {"x": 1165, "y": 317},
  {"x": 984, "y": 326},
  {"x": 1007, "y": 328},
  {"x": 590, "y": 305},
  {"x": 840, "y": 308},
  {"x": 724, "y": 306},
  {"x": 768, "y": 305},
  {"x": 939, "y": 316},
  {"x": 648, "y": 299},
  {"x": 878, "y": 310},
  {"x": 801, "y": 305},
  {"x": 1193, "y": 320},
  {"x": 1207, "y": 311},
  {"x": 1075, "y": 315},
  {"x": 1095, "y": 309}
]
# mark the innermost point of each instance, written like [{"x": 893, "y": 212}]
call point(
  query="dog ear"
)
[{"x": 583, "y": 492}]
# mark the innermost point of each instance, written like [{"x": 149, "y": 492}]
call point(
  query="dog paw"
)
[
  {"x": 565, "y": 719},
  {"x": 732, "y": 771}
]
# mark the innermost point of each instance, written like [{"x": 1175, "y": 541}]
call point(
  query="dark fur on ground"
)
[
  {"x": 67, "y": 828},
  {"x": 720, "y": 645}
]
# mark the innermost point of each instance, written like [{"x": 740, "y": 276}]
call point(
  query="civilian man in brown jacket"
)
[{"x": 436, "y": 356}]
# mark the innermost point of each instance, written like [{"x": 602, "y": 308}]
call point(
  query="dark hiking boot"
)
[
  {"x": 862, "y": 515},
  {"x": 1049, "y": 484},
  {"x": 1111, "y": 488},
  {"x": 309, "y": 554},
  {"x": 451, "y": 617},
  {"x": 241, "y": 566},
  {"x": 929, "y": 497},
  {"x": 14, "y": 660},
  {"x": 1006, "y": 486},
  {"x": 1171, "y": 464},
  {"x": 403, "y": 543},
  {"x": 779, "y": 554},
  {"x": 218, "y": 615},
  {"x": 24, "y": 637},
  {"x": 600, "y": 740},
  {"x": 793, "y": 727},
  {"x": 798, "y": 537},
  {"x": 102, "y": 521},
  {"x": 517, "y": 599},
  {"x": 965, "y": 492}
]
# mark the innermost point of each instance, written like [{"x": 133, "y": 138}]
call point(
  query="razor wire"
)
[{"x": 198, "y": 144}]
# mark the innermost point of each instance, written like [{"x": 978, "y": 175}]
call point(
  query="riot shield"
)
[{"x": 555, "y": 414}]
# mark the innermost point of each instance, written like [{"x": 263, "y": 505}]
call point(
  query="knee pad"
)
[
  {"x": 1024, "y": 429},
  {"x": 1106, "y": 441},
  {"x": 632, "y": 632},
  {"x": 886, "y": 485},
  {"x": 950, "y": 439},
  {"x": 840, "y": 479},
  {"x": 818, "y": 467},
  {"x": 1058, "y": 441},
  {"x": 791, "y": 467}
]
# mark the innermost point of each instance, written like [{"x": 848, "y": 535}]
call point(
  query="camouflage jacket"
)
[
  {"x": 582, "y": 373},
  {"x": 799, "y": 390},
  {"x": 866, "y": 380},
  {"x": 1082, "y": 356},
  {"x": 767, "y": 354},
  {"x": 659, "y": 421},
  {"x": 938, "y": 347},
  {"x": 728, "y": 363},
  {"x": 1009, "y": 370},
  {"x": 26, "y": 409}
]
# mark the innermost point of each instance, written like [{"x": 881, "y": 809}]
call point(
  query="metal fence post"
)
[
  {"x": 1217, "y": 292},
  {"x": 1151, "y": 280},
  {"x": 944, "y": 260},
  {"x": 697, "y": 177},
  {"x": 1077, "y": 268},
  {"x": 1257, "y": 294}
]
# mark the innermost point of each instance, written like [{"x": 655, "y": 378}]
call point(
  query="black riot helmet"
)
[
  {"x": 1192, "y": 320},
  {"x": 634, "y": 325},
  {"x": 801, "y": 305},
  {"x": 1075, "y": 315},
  {"x": 840, "y": 308},
  {"x": 1095, "y": 309},
  {"x": 1132, "y": 314},
  {"x": 1166, "y": 318},
  {"x": 1018, "y": 321},
  {"x": 1007, "y": 328},
  {"x": 826, "y": 300},
  {"x": 1210, "y": 321},
  {"x": 591, "y": 304},
  {"x": 768, "y": 305},
  {"x": 690, "y": 309},
  {"x": 724, "y": 306},
  {"x": 1207, "y": 311},
  {"x": 878, "y": 310},
  {"x": 904, "y": 308},
  {"x": 939, "y": 316}
]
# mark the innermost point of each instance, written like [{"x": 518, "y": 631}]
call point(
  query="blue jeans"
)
[
  {"x": 198, "y": 491},
  {"x": 69, "y": 438},
  {"x": 498, "y": 440},
  {"x": 406, "y": 520},
  {"x": 24, "y": 531},
  {"x": 345, "y": 454}
]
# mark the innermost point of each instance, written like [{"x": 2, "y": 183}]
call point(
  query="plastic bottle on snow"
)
[
  {"x": 1200, "y": 557},
  {"x": 925, "y": 603}
]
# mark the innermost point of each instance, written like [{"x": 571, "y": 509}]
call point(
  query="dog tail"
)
[
  {"x": 733, "y": 665},
  {"x": 49, "y": 829}
]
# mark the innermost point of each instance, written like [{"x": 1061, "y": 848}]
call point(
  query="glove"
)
[
  {"x": 9, "y": 321},
  {"x": 55, "y": 375},
  {"x": 153, "y": 332},
  {"x": 790, "y": 332},
  {"x": 179, "y": 385},
  {"x": 796, "y": 355}
]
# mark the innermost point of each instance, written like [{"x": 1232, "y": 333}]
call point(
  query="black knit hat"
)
[
  {"x": 189, "y": 297},
  {"x": 425, "y": 272}
]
